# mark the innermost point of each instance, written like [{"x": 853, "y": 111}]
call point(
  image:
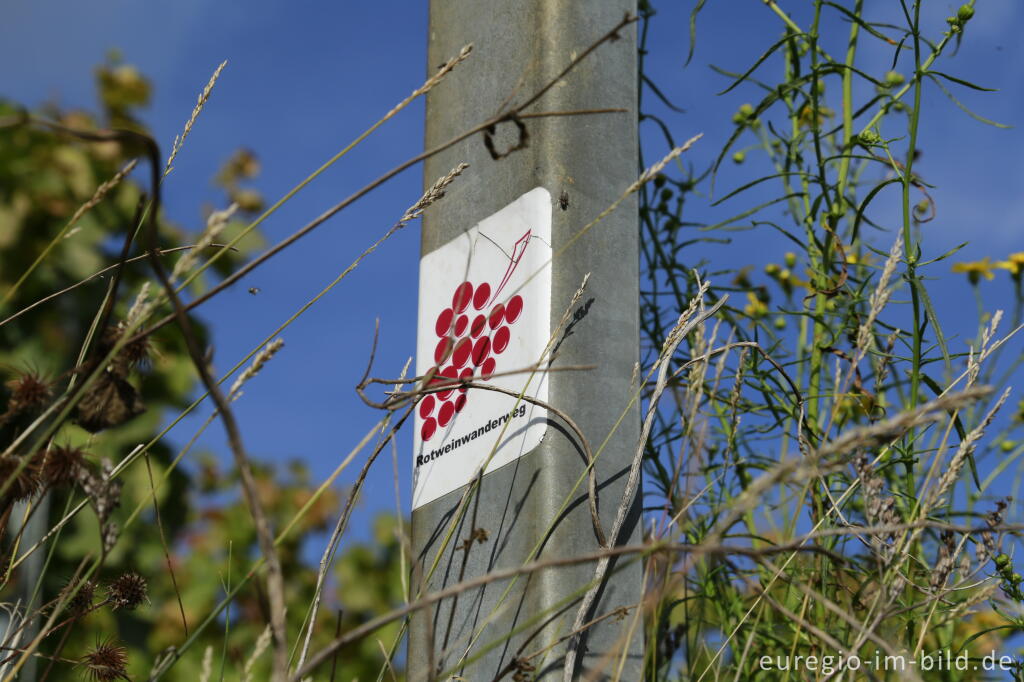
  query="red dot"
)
[
  {"x": 479, "y": 322},
  {"x": 481, "y": 350},
  {"x": 461, "y": 324},
  {"x": 501, "y": 338},
  {"x": 444, "y": 322},
  {"x": 447, "y": 374},
  {"x": 488, "y": 368},
  {"x": 467, "y": 373},
  {"x": 514, "y": 308},
  {"x": 497, "y": 313},
  {"x": 460, "y": 402},
  {"x": 463, "y": 295},
  {"x": 446, "y": 413},
  {"x": 483, "y": 293},
  {"x": 429, "y": 427},
  {"x": 426, "y": 406},
  {"x": 461, "y": 354},
  {"x": 443, "y": 350}
]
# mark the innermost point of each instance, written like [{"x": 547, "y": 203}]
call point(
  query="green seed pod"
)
[
  {"x": 965, "y": 13},
  {"x": 1002, "y": 560},
  {"x": 894, "y": 78},
  {"x": 739, "y": 157},
  {"x": 780, "y": 322},
  {"x": 869, "y": 137},
  {"x": 746, "y": 110},
  {"x": 790, "y": 259},
  {"x": 771, "y": 269}
]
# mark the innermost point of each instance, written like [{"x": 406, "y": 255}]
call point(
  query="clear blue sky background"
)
[{"x": 303, "y": 79}]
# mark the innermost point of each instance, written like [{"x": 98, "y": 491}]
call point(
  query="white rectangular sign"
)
[{"x": 484, "y": 310}]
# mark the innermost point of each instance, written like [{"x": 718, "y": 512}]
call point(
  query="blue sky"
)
[{"x": 303, "y": 79}]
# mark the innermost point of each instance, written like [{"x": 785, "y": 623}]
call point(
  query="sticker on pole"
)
[{"x": 484, "y": 316}]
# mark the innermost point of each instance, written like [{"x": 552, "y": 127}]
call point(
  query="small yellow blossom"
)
[
  {"x": 859, "y": 259},
  {"x": 755, "y": 307},
  {"x": 975, "y": 270},
  {"x": 808, "y": 120},
  {"x": 1015, "y": 264}
]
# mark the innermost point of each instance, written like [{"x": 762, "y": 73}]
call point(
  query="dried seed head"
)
[
  {"x": 30, "y": 393},
  {"x": 81, "y": 601},
  {"x": 63, "y": 465},
  {"x": 134, "y": 354},
  {"x": 944, "y": 564},
  {"x": 103, "y": 490},
  {"x": 127, "y": 591},
  {"x": 109, "y": 534},
  {"x": 879, "y": 508},
  {"x": 110, "y": 401},
  {"x": 989, "y": 545},
  {"x": 107, "y": 662},
  {"x": 23, "y": 477},
  {"x": 138, "y": 353}
]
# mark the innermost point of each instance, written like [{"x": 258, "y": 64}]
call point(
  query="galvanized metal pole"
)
[{"x": 584, "y": 163}]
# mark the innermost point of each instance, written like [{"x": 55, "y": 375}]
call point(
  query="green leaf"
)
[
  {"x": 749, "y": 212},
  {"x": 963, "y": 107},
  {"x": 761, "y": 60},
  {"x": 693, "y": 29},
  {"x": 959, "y": 81}
]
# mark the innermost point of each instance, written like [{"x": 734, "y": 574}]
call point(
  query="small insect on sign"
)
[{"x": 484, "y": 316}]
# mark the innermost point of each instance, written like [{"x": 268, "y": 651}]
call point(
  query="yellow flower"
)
[
  {"x": 1015, "y": 264},
  {"x": 976, "y": 269},
  {"x": 808, "y": 120},
  {"x": 755, "y": 307},
  {"x": 859, "y": 259}
]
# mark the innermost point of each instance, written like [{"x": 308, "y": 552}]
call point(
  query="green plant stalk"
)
[
  {"x": 847, "y": 147},
  {"x": 913, "y": 247}
]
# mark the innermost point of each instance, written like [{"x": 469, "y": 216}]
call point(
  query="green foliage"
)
[
  {"x": 198, "y": 548},
  {"x": 846, "y": 353}
]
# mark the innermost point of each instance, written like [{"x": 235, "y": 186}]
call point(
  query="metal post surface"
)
[{"x": 588, "y": 161}]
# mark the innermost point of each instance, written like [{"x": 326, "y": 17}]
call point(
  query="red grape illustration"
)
[{"x": 471, "y": 333}]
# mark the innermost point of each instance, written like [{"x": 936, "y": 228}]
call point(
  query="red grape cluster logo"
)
[{"x": 471, "y": 333}]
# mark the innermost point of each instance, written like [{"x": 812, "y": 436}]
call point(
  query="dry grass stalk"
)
[
  {"x": 433, "y": 194},
  {"x": 98, "y": 195},
  {"x": 179, "y": 140},
  {"x": 141, "y": 306},
  {"x": 879, "y": 298},
  {"x": 261, "y": 359},
  {"x": 688, "y": 321},
  {"x": 653, "y": 170},
  {"x": 956, "y": 464},
  {"x": 206, "y": 667},
  {"x": 68, "y": 228},
  {"x": 262, "y": 642},
  {"x": 429, "y": 84},
  {"x": 215, "y": 223},
  {"x": 879, "y": 434},
  {"x": 341, "y": 525}
]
